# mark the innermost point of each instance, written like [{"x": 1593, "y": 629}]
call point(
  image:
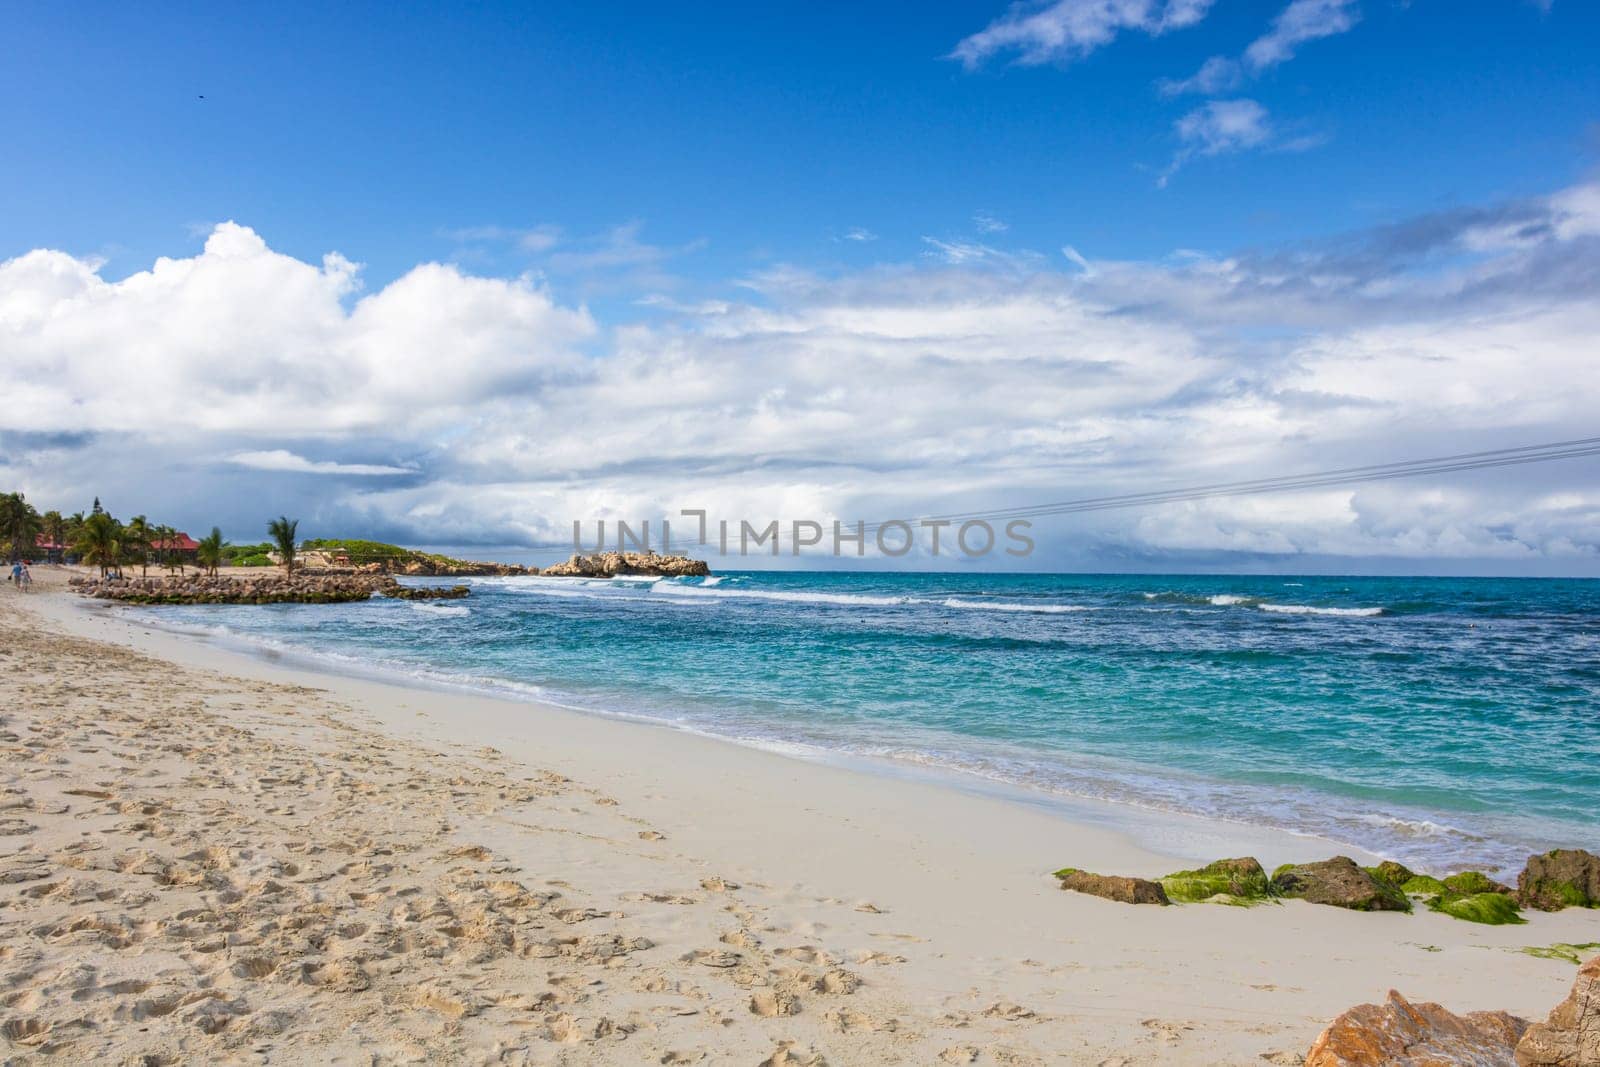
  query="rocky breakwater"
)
[
  {"x": 423, "y": 592},
  {"x": 612, "y": 564},
  {"x": 270, "y": 589},
  {"x": 416, "y": 568},
  {"x": 459, "y": 568}
]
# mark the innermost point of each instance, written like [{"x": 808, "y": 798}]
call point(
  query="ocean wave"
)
[
  {"x": 599, "y": 592},
  {"x": 1013, "y": 605},
  {"x": 440, "y": 609},
  {"x": 1308, "y": 609},
  {"x": 840, "y": 599},
  {"x": 1237, "y": 600},
  {"x": 1424, "y": 828}
]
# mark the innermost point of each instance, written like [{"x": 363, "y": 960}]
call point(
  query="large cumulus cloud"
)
[{"x": 449, "y": 408}]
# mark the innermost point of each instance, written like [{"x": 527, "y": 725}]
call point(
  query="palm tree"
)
[
  {"x": 209, "y": 555},
  {"x": 100, "y": 542},
  {"x": 137, "y": 536},
  {"x": 19, "y": 525},
  {"x": 282, "y": 531},
  {"x": 55, "y": 529},
  {"x": 171, "y": 557},
  {"x": 73, "y": 531}
]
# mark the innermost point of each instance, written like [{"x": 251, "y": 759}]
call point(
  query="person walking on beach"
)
[
  {"x": 25, "y": 577},
  {"x": 16, "y": 575}
]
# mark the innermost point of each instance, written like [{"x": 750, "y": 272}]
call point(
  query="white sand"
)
[{"x": 262, "y": 862}]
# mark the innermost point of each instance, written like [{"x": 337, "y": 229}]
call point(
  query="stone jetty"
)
[{"x": 266, "y": 589}]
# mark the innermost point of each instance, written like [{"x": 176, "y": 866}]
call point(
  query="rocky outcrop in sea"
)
[{"x": 612, "y": 564}]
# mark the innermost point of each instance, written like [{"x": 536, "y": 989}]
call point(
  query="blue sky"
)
[
  {"x": 722, "y": 192},
  {"x": 744, "y": 136}
]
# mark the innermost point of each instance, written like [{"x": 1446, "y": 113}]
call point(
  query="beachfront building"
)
[
  {"x": 179, "y": 547},
  {"x": 48, "y": 550}
]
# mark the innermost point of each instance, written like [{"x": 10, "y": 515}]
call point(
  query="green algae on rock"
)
[
  {"x": 1338, "y": 882},
  {"x": 1491, "y": 909},
  {"x": 1562, "y": 950},
  {"x": 1560, "y": 878},
  {"x": 1422, "y": 885},
  {"x": 1470, "y": 883},
  {"x": 1240, "y": 882}
]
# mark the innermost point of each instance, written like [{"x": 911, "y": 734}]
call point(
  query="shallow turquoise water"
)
[{"x": 1439, "y": 721}]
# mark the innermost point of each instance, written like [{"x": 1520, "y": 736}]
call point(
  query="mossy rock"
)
[
  {"x": 1240, "y": 882},
  {"x": 1392, "y": 872},
  {"x": 1470, "y": 883},
  {"x": 1339, "y": 883},
  {"x": 1422, "y": 885},
  {"x": 1491, "y": 909},
  {"x": 1560, "y": 878}
]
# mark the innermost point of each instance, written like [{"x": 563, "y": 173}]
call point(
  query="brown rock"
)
[
  {"x": 1338, "y": 882},
  {"x": 1571, "y": 1036},
  {"x": 611, "y": 564},
  {"x": 1113, "y": 887},
  {"x": 1560, "y": 878},
  {"x": 1401, "y": 1034}
]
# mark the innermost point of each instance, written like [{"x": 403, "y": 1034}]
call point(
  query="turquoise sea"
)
[{"x": 1439, "y": 721}]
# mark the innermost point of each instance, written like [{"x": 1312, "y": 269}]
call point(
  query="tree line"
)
[{"x": 99, "y": 539}]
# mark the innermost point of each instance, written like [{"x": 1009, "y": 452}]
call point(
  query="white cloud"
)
[
  {"x": 242, "y": 339},
  {"x": 1216, "y": 75},
  {"x": 860, "y": 234},
  {"x": 281, "y": 459},
  {"x": 969, "y": 376},
  {"x": 1070, "y": 29},
  {"x": 618, "y": 247},
  {"x": 1301, "y": 21},
  {"x": 535, "y": 239},
  {"x": 1224, "y": 126},
  {"x": 984, "y": 222},
  {"x": 1218, "y": 127}
]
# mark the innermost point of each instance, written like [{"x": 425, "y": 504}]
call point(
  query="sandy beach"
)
[{"x": 210, "y": 857}]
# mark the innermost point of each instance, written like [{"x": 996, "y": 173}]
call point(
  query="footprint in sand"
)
[{"x": 768, "y": 1003}]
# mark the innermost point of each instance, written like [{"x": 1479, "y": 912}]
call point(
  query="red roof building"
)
[{"x": 178, "y": 542}]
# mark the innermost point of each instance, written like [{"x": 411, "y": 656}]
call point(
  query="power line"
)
[
  {"x": 1466, "y": 461},
  {"x": 1376, "y": 472}
]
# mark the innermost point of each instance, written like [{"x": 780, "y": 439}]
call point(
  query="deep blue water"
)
[{"x": 1439, "y": 721}]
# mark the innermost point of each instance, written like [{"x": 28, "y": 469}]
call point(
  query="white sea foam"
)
[
  {"x": 1223, "y": 600},
  {"x": 1013, "y": 605},
  {"x": 1307, "y": 609},
  {"x": 440, "y": 609},
  {"x": 842, "y": 599}
]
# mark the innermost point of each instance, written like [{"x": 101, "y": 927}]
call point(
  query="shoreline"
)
[
  {"x": 1145, "y": 802},
  {"x": 857, "y": 864},
  {"x": 1172, "y": 837}
]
